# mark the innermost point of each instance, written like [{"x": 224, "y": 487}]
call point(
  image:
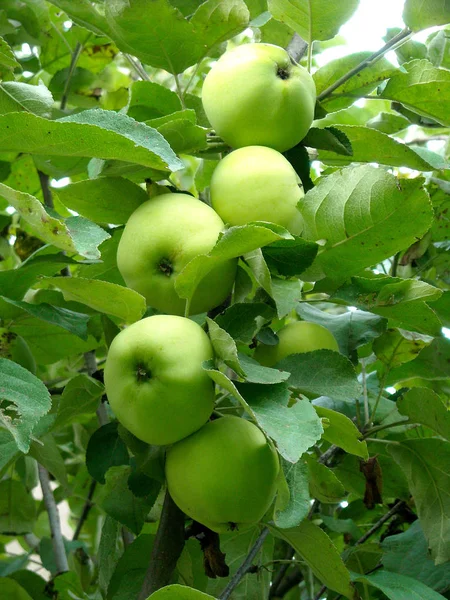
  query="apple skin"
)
[
  {"x": 296, "y": 338},
  {"x": 254, "y": 95},
  {"x": 15, "y": 348},
  {"x": 154, "y": 378},
  {"x": 179, "y": 592},
  {"x": 257, "y": 183},
  {"x": 224, "y": 475},
  {"x": 159, "y": 239}
]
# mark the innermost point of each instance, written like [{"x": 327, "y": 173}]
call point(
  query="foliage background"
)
[{"x": 102, "y": 96}]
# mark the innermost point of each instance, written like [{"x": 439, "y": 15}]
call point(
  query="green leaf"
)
[
  {"x": 105, "y": 297},
  {"x": 109, "y": 552},
  {"x": 106, "y": 269},
  {"x": 329, "y": 138},
  {"x": 105, "y": 449},
  {"x": 397, "y": 346},
  {"x": 286, "y": 293},
  {"x": 119, "y": 503},
  {"x": 290, "y": 257},
  {"x": 313, "y": 19},
  {"x": 16, "y": 96},
  {"x": 402, "y": 300},
  {"x": 73, "y": 322},
  {"x": 432, "y": 364},
  {"x": 180, "y": 592},
  {"x": 224, "y": 347},
  {"x": 233, "y": 242},
  {"x": 407, "y": 554},
  {"x": 293, "y": 429},
  {"x": 422, "y": 88},
  {"x": 12, "y": 590},
  {"x": 342, "y": 432},
  {"x": 216, "y": 21},
  {"x": 17, "y": 508},
  {"x": 367, "y": 80},
  {"x": 322, "y": 557},
  {"x": 322, "y": 372},
  {"x": 360, "y": 212},
  {"x": 150, "y": 100},
  {"x": 425, "y": 464},
  {"x": 388, "y": 123},
  {"x": 370, "y": 145},
  {"x": 418, "y": 15},
  {"x": 422, "y": 405},
  {"x": 30, "y": 401},
  {"x": 399, "y": 587},
  {"x": 128, "y": 576},
  {"x": 92, "y": 198},
  {"x": 242, "y": 320},
  {"x": 296, "y": 507},
  {"x": 7, "y": 58},
  {"x": 183, "y": 135},
  {"x": 351, "y": 329},
  {"x": 256, "y": 373},
  {"x": 101, "y": 133},
  {"x": 47, "y": 454},
  {"x": 69, "y": 237},
  {"x": 323, "y": 483}
]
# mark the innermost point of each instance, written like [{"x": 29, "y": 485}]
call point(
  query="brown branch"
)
[
  {"x": 73, "y": 62},
  {"x": 169, "y": 544},
  {"x": 379, "y": 524},
  {"x": 86, "y": 510}
]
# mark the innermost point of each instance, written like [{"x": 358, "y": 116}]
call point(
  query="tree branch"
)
[
  {"x": 169, "y": 544},
  {"x": 400, "y": 37},
  {"x": 53, "y": 519},
  {"x": 46, "y": 191},
  {"x": 243, "y": 569},
  {"x": 379, "y": 524},
  {"x": 75, "y": 56},
  {"x": 86, "y": 510}
]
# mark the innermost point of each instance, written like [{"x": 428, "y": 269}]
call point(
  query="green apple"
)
[
  {"x": 296, "y": 338},
  {"x": 154, "y": 378},
  {"x": 224, "y": 475},
  {"x": 257, "y": 184},
  {"x": 179, "y": 592},
  {"x": 15, "y": 348},
  {"x": 159, "y": 239},
  {"x": 256, "y": 95}
]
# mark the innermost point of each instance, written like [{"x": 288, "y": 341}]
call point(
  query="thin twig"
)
[
  {"x": 73, "y": 62},
  {"x": 53, "y": 519},
  {"x": 379, "y": 524},
  {"x": 168, "y": 546},
  {"x": 44, "y": 180},
  {"x": 373, "y": 430},
  {"x": 322, "y": 590},
  {"x": 86, "y": 510},
  {"x": 400, "y": 37},
  {"x": 281, "y": 572},
  {"x": 137, "y": 67},
  {"x": 366, "y": 397},
  {"x": 243, "y": 569}
]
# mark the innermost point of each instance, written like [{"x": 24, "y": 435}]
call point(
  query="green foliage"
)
[{"x": 105, "y": 96}]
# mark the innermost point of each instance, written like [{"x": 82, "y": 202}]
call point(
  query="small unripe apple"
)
[
  {"x": 255, "y": 94},
  {"x": 179, "y": 592},
  {"x": 154, "y": 378},
  {"x": 257, "y": 184},
  {"x": 159, "y": 239},
  {"x": 15, "y": 348},
  {"x": 224, "y": 475},
  {"x": 296, "y": 338}
]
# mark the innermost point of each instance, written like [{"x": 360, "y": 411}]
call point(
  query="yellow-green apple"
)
[
  {"x": 295, "y": 338},
  {"x": 256, "y": 95},
  {"x": 15, "y": 348},
  {"x": 257, "y": 183},
  {"x": 159, "y": 239},
  {"x": 154, "y": 378},
  {"x": 224, "y": 475}
]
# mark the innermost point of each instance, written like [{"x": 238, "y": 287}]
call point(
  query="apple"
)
[
  {"x": 257, "y": 183},
  {"x": 15, "y": 348},
  {"x": 154, "y": 378},
  {"x": 224, "y": 475},
  {"x": 179, "y": 592},
  {"x": 295, "y": 338},
  {"x": 256, "y": 95},
  {"x": 159, "y": 239}
]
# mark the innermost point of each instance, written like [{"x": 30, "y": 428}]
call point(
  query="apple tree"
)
[{"x": 224, "y": 302}]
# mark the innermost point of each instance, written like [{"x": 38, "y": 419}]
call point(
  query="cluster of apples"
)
[{"x": 222, "y": 473}]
